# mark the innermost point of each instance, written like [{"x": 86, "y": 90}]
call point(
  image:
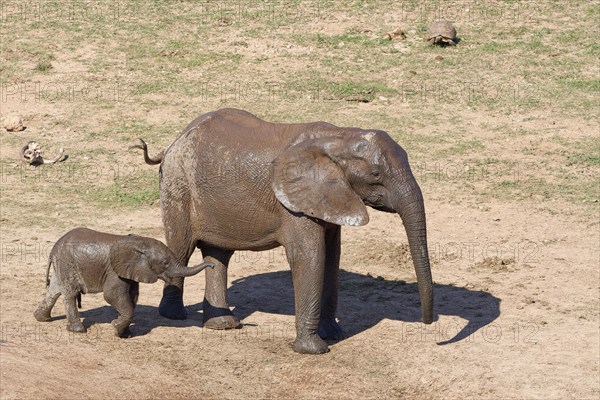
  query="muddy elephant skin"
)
[
  {"x": 87, "y": 261},
  {"x": 232, "y": 181}
]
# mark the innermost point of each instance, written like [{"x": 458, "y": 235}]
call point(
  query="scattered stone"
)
[
  {"x": 495, "y": 264},
  {"x": 225, "y": 21},
  {"x": 397, "y": 33},
  {"x": 439, "y": 58},
  {"x": 13, "y": 123}
]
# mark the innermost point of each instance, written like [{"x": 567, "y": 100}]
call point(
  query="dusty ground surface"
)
[{"x": 502, "y": 133}]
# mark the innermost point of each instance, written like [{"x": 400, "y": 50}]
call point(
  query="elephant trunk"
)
[
  {"x": 410, "y": 207},
  {"x": 180, "y": 271}
]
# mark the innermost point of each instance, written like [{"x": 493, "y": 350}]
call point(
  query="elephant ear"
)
[
  {"x": 306, "y": 179},
  {"x": 129, "y": 261}
]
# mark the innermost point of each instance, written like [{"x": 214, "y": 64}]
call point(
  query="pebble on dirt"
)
[{"x": 13, "y": 123}]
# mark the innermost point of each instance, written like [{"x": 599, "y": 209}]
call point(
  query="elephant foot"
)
[
  {"x": 171, "y": 304},
  {"x": 223, "y": 322},
  {"x": 330, "y": 329},
  {"x": 121, "y": 328},
  {"x": 219, "y": 317},
  {"x": 42, "y": 315},
  {"x": 310, "y": 344},
  {"x": 76, "y": 327}
]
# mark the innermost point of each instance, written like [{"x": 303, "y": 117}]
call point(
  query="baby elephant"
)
[{"x": 87, "y": 261}]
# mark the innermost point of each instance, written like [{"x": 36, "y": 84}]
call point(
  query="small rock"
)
[
  {"x": 439, "y": 58},
  {"x": 13, "y": 123},
  {"x": 382, "y": 98},
  {"x": 496, "y": 219},
  {"x": 397, "y": 33}
]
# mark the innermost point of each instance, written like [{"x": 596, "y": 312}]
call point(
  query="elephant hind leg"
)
[
  {"x": 171, "y": 304},
  {"x": 179, "y": 240},
  {"x": 216, "y": 312},
  {"x": 73, "y": 319},
  {"x": 42, "y": 313},
  {"x": 134, "y": 291}
]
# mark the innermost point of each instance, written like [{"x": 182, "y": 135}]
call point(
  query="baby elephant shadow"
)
[
  {"x": 145, "y": 318},
  {"x": 365, "y": 300}
]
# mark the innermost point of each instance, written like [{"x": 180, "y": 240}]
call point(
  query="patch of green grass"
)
[
  {"x": 493, "y": 47},
  {"x": 462, "y": 147},
  {"x": 561, "y": 186},
  {"x": 44, "y": 63},
  {"x": 588, "y": 160},
  {"x": 582, "y": 152},
  {"x": 343, "y": 40},
  {"x": 131, "y": 129},
  {"x": 43, "y": 66},
  {"x": 154, "y": 87},
  {"x": 588, "y": 85},
  {"x": 593, "y": 11},
  {"x": 131, "y": 191},
  {"x": 351, "y": 87},
  {"x": 593, "y": 49}
]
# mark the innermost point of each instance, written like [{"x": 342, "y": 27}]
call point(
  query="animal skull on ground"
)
[{"x": 32, "y": 153}]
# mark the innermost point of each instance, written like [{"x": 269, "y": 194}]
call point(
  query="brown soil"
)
[{"x": 517, "y": 281}]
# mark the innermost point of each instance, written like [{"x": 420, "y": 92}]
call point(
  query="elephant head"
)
[
  {"x": 333, "y": 176},
  {"x": 145, "y": 260}
]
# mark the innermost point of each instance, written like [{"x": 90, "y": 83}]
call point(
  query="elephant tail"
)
[
  {"x": 149, "y": 160},
  {"x": 50, "y": 261}
]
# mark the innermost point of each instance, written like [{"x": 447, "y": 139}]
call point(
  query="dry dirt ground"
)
[{"x": 502, "y": 133}]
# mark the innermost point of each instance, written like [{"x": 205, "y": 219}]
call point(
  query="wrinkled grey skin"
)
[
  {"x": 87, "y": 261},
  {"x": 234, "y": 182}
]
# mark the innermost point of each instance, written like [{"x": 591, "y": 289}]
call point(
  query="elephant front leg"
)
[
  {"x": 119, "y": 295},
  {"x": 171, "y": 304},
  {"x": 328, "y": 326},
  {"x": 307, "y": 263},
  {"x": 216, "y": 312}
]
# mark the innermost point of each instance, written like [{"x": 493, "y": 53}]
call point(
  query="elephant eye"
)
[{"x": 375, "y": 174}]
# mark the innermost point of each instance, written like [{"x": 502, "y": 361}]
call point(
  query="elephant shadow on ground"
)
[
  {"x": 365, "y": 300},
  {"x": 145, "y": 318}
]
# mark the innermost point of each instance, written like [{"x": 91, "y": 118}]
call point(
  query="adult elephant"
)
[{"x": 232, "y": 181}]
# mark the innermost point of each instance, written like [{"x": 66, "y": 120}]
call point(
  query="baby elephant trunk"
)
[{"x": 180, "y": 271}]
